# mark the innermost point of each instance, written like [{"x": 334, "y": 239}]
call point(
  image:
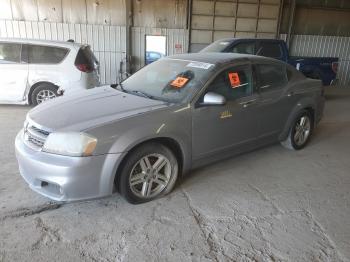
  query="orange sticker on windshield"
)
[
  {"x": 234, "y": 80},
  {"x": 179, "y": 82}
]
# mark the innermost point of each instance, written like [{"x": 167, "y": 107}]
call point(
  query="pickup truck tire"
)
[
  {"x": 149, "y": 172},
  {"x": 43, "y": 92},
  {"x": 300, "y": 131}
]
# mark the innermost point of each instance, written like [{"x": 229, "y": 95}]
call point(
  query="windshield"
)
[
  {"x": 217, "y": 46},
  {"x": 169, "y": 80}
]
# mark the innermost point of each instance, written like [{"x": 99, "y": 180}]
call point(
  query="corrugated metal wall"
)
[
  {"x": 325, "y": 46},
  {"x": 102, "y": 12}
]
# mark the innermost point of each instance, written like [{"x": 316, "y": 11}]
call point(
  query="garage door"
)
[{"x": 215, "y": 19}]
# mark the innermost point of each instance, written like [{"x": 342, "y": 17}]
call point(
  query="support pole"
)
[
  {"x": 291, "y": 22},
  {"x": 128, "y": 34}
]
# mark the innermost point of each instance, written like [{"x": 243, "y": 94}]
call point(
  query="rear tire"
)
[
  {"x": 149, "y": 172},
  {"x": 300, "y": 131},
  {"x": 43, "y": 92}
]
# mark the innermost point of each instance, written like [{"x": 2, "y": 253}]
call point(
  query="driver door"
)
[{"x": 228, "y": 128}]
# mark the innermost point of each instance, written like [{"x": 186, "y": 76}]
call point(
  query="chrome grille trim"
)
[{"x": 35, "y": 137}]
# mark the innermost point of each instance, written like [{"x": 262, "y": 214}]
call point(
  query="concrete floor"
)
[{"x": 268, "y": 205}]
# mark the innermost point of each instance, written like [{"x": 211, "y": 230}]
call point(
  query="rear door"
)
[
  {"x": 224, "y": 128},
  {"x": 276, "y": 101},
  {"x": 13, "y": 73},
  {"x": 46, "y": 63}
]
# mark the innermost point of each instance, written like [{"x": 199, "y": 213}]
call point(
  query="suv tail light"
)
[
  {"x": 86, "y": 68},
  {"x": 86, "y": 61},
  {"x": 335, "y": 67}
]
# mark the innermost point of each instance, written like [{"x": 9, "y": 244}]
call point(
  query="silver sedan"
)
[{"x": 176, "y": 114}]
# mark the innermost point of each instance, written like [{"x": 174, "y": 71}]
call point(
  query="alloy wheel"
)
[
  {"x": 302, "y": 130},
  {"x": 45, "y": 95},
  {"x": 150, "y": 175}
]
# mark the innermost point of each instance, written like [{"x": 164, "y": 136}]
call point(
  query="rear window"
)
[
  {"x": 10, "y": 53},
  {"x": 45, "y": 54},
  {"x": 269, "y": 49},
  {"x": 86, "y": 57},
  {"x": 217, "y": 46},
  {"x": 153, "y": 55}
]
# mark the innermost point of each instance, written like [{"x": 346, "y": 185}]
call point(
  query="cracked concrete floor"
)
[{"x": 268, "y": 205}]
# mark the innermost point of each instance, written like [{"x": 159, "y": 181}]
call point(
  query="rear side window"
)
[
  {"x": 271, "y": 76},
  {"x": 10, "y": 53},
  {"x": 45, "y": 54},
  {"x": 86, "y": 60},
  {"x": 244, "y": 48},
  {"x": 269, "y": 49}
]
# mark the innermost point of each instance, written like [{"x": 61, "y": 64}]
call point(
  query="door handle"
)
[
  {"x": 247, "y": 103},
  {"x": 290, "y": 93},
  {"x": 265, "y": 86}
]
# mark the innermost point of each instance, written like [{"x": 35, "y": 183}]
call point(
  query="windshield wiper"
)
[
  {"x": 137, "y": 92},
  {"x": 121, "y": 87}
]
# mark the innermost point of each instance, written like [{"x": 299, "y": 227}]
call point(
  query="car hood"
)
[{"x": 83, "y": 110}]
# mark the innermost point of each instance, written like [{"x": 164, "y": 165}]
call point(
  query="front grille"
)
[{"x": 34, "y": 136}]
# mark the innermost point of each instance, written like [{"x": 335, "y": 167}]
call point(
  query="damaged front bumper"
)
[{"x": 64, "y": 178}]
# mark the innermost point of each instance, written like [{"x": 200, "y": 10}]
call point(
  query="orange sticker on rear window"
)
[
  {"x": 179, "y": 82},
  {"x": 234, "y": 80}
]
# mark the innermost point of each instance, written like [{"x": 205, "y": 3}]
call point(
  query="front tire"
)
[
  {"x": 43, "y": 92},
  {"x": 300, "y": 131},
  {"x": 149, "y": 172}
]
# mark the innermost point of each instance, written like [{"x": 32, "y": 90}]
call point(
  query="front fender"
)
[{"x": 124, "y": 135}]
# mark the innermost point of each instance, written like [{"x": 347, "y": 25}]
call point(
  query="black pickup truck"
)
[{"x": 323, "y": 68}]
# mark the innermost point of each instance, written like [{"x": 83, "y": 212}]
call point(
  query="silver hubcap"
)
[
  {"x": 302, "y": 130},
  {"x": 45, "y": 95},
  {"x": 150, "y": 175}
]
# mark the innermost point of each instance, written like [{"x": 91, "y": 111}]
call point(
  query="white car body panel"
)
[
  {"x": 13, "y": 82},
  {"x": 17, "y": 79}
]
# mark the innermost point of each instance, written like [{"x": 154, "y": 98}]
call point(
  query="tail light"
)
[
  {"x": 86, "y": 68},
  {"x": 335, "y": 67}
]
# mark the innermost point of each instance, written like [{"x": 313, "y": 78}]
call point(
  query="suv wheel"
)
[
  {"x": 43, "y": 92},
  {"x": 300, "y": 132},
  {"x": 148, "y": 173}
]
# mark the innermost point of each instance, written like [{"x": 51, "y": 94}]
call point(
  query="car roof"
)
[
  {"x": 65, "y": 44},
  {"x": 248, "y": 39},
  {"x": 222, "y": 58}
]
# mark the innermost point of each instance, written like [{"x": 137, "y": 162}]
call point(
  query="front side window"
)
[
  {"x": 10, "y": 53},
  {"x": 271, "y": 76},
  {"x": 45, "y": 54},
  {"x": 233, "y": 83},
  {"x": 269, "y": 49},
  {"x": 244, "y": 48}
]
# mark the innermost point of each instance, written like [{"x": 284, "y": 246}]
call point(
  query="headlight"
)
[{"x": 70, "y": 144}]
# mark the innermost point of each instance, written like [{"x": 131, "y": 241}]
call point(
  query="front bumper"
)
[{"x": 64, "y": 178}]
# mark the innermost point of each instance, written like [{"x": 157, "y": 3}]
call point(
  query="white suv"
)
[{"x": 32, "y": 71}]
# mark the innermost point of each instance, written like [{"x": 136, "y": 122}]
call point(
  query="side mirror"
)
[{"x": 212, "y": 98}]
